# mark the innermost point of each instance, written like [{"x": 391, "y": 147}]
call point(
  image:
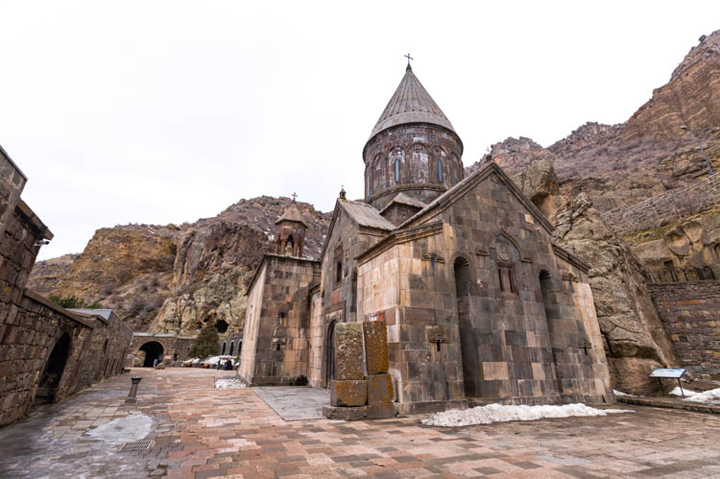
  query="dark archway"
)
[
  {"x": 468, "y": 342},
  {"x": 232, "y": 348},
  {"x": 54, "y": 368},
  {"x": 153, "y": 350},
  {"x": 222, "y": 349},
  {"x": 330, "y": 355},
  {"x": 221, "y": 326}
]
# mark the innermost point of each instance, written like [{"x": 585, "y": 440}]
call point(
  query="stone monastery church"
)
[{"x": 480, "y": 306}]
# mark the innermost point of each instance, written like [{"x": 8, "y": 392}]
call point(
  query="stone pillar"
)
[
  {"x": 380, "y": 390},
  {"x": 361, "y": 348}
]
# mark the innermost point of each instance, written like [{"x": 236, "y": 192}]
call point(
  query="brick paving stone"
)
[{"x": 203, "y": 432}]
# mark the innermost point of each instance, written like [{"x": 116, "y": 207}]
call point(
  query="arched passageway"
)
[
  {"x": 153, "y": 350},
  {"x": 54, "y": 368}
]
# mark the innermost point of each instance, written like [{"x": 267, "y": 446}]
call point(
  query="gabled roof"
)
[
  {"x": 360, "y": 214},
  {"x": 364, "y": 214},
  {"x": 292, "y": 213},
  {"x": 458, "y": 191},
  {"x": 411, "y": 103},
  {"x": 403, "y": 199}
]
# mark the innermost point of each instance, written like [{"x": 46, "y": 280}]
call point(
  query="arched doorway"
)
[
  {"x": 54, "y": 368},
  {"x": 330, "y": 344},
  {"x": 468, "y": 342},
  {"x": 153, "y": 350}
]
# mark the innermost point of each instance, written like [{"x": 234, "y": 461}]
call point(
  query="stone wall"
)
[
  {"x": 690, "y": 313},
  {"x": 666, "y": 208},
  {"x": 421, "y": 150},
  {"x": 12, "y": 182},
  {"x": 481, "y": 306},
  {"x": 174, "y": 348},
  {"x": 276, "y": 347},
  {"x": 46, "y": 352}
]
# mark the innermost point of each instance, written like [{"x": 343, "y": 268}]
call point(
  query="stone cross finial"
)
[
  {"x": 294, "y": 195},
  {"x": 342, "y": 192},
  {"x": 408, "y": 59}
]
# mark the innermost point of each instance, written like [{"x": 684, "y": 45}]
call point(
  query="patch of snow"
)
[
  {"x": 124, "y": 429},
  {"x": 676, "y": 392},
  {"x": 620, "y": 393},
  {"x": 503, "y": 413},
  {"x": 229, "y": 383},
  {"x": 708, "y": 397}
]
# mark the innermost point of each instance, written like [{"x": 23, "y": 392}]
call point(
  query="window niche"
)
[{"x": 507, "y": 257}]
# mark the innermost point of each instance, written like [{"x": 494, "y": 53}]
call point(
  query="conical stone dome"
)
[
  {"x": 413, "y": 148},
  {"x": 411, "y": 103}
]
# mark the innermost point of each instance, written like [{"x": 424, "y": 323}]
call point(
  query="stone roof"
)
[
  {"x": 404, "y": 199},
  {"x": 411, "y": 103},
  {"x": 292, "y": 213},
  {"x": 365, "y": 215},
  {"x": 103, "y": 313}
]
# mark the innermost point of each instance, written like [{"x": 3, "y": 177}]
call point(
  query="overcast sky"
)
[{"x": 160, "y": 112}]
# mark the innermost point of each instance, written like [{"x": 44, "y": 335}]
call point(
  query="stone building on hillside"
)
[
  {"x": 46, "y": 352},
  {"x": 479, "y": 304}
]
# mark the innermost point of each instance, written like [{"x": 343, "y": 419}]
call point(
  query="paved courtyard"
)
[{"x": 198, "y": 432}]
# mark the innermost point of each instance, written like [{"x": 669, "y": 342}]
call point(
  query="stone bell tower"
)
[
  {"x": 412, "y": 149},
  {"x": 290, "y": 236}
]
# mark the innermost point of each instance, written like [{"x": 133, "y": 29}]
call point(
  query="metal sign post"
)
[{"x": 668, "y": 374}]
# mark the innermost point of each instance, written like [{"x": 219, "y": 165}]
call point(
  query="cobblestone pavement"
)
[{"x": 200, "y": 432}]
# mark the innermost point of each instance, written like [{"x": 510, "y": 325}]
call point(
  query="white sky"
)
[{"x": 159, "y": 112}]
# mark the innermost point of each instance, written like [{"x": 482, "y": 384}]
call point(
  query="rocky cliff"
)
[
  {"x": 173, "y": 279},
  {"x": 599, "y": 168}
]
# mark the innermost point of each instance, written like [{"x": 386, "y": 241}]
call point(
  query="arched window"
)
[
  {"x": 222, "y": 350},
  {"x": 397, "y": 171},
  {"x": 232, "y": 348},
  {"x": 440, "y": 173}
]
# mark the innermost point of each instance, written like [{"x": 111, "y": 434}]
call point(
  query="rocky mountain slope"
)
[
  {"x": 598, "y": 168},
  {"x": 171, "y": 278}
]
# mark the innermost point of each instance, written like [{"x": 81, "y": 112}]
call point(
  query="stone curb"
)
[{"x": 668, "y": 404}]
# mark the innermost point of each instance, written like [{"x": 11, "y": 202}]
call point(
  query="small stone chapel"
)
[{"x": 478, "y": 304}]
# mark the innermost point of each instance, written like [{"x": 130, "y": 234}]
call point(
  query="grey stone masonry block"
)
[
  {"x": 380, "y": 389},
  {"x": 376, "y": 347},
  {"x": 349, "y": 353},
  {"x": 349, "y": 393}
]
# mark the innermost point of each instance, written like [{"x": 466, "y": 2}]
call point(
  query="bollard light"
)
[{"x": 133, "y": 389}]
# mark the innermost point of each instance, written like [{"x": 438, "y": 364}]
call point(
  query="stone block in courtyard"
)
[
  {"x": 381, "y": 411},
  {"x": 376, "y": 347},
  {"x": 349, "y": 393},
  {"x": 380, "y": 390},
  {"x": 345, "y": 413},
  {"x": 349, "y": 353}
]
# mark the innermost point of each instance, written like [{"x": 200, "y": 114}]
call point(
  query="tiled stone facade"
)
[
  {"x": 428, "y": 163},
  {"x": 45, "y": 351},
  {"x": 276, "y": 347},
  {"x": 690, "y": 313},
  {"x": 480, "y": 305}
]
